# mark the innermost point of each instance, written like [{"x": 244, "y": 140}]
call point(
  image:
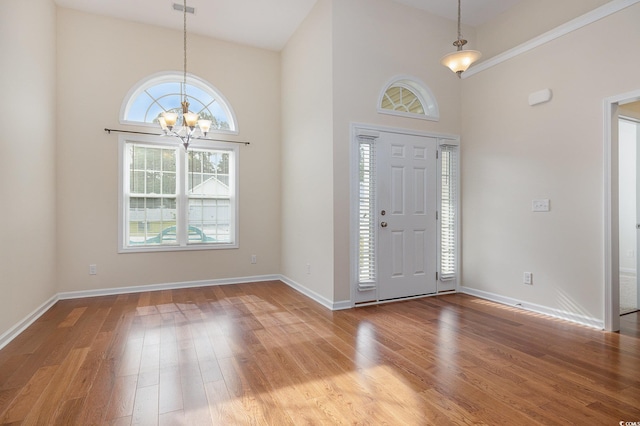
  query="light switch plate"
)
[{"x": 540, "y": 205}]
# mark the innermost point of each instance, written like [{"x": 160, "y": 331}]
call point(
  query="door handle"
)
[{"x": 383, "y": 224}]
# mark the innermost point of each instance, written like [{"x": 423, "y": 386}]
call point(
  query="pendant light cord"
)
[
  {"x": 184, "y": 79},
  {"x": 459, "y": 31}
]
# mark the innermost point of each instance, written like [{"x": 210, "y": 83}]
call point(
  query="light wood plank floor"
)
[{"x": 264, "y": 354}]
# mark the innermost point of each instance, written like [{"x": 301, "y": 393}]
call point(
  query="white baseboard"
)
[
  {"x": 334, "y": 306},
  {"x": 345, "y": 304},
  {"x": 14, "y": 331},
  {"x": 166, "y": 286},
  {"x": 540, "y": 309}
]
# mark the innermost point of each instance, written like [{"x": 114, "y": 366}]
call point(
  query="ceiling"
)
[
  {"x": 474, "y": 12},
  {"x": 262, "y": 23}
]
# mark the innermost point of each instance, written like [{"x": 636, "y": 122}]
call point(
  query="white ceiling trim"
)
[{"x": 564, "y": 29}]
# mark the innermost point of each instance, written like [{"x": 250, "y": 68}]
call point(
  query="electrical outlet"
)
[
  {"x": 540, "y": 205},
  {"x": 254, "y": 259},
  {"x": 528, "y": 278},
  {"x": 308, "y": 268},
  {"x": 93, "y": 269}
]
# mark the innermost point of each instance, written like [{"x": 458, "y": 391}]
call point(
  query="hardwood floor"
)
[{"x": 264, "y": 354}]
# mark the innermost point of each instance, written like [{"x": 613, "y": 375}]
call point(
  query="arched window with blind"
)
[{"x": 408, "y": 97}]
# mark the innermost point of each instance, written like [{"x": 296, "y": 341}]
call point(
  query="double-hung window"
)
[{"x": 173, "y": 199}]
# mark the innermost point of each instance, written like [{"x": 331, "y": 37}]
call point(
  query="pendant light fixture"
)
[
  {"x": 460, "y": 60},
  {"x": 191, "y": 127}
]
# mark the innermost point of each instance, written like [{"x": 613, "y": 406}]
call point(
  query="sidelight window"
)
[
  {"x": 366, "y": 215},
  {"x": 448, "y": 212}
]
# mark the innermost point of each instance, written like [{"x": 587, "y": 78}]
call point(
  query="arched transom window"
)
[
  {"x": 154, "y": 95},
  {"x": 409, "y": 97}
]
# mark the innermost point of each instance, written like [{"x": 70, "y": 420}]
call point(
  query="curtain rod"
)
[{"x": 156, "y": 134}]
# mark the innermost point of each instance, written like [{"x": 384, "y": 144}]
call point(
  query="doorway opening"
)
[
  {"x": 614, "y": 108},
  {"x": 628, "y": 206}
]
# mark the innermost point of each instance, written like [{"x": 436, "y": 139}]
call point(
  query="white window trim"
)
[
  {"x": 167, "y": 142},
  {"x": 169, "y": 77},
  {"x": 422, "y": 92}
]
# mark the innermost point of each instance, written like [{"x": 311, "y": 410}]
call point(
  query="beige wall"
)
[
  {"x": 100, "y": 59},
  {"x": 27, "y": 147},
  {"x": 375, "y": 40},
  {"x": 307, "y": 154},
  {"x": 513, "y": 153},
  {"x": 340, "y": 58},
  {"x": 526, "y": 20}
]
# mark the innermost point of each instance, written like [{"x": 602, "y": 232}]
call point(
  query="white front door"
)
[{"x": 407, "y": 223}]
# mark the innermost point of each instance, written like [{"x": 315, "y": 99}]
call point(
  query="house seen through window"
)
[{"x": 173, "y": 199}]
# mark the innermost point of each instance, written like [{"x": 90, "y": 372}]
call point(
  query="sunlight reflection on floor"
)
[{"x": 523, "y": 311}]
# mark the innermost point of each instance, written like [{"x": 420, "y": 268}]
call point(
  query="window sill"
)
[{"x": 167, "y": 248}]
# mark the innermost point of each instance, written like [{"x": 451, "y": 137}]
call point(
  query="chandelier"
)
[
  {"x": 191, "y": 127},
  {"x": 460, "y": 60}
]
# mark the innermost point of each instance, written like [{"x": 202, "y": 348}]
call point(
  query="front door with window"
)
[
  {"x": 406, "y": 229},
  {"x": 406, "y": 207}
]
